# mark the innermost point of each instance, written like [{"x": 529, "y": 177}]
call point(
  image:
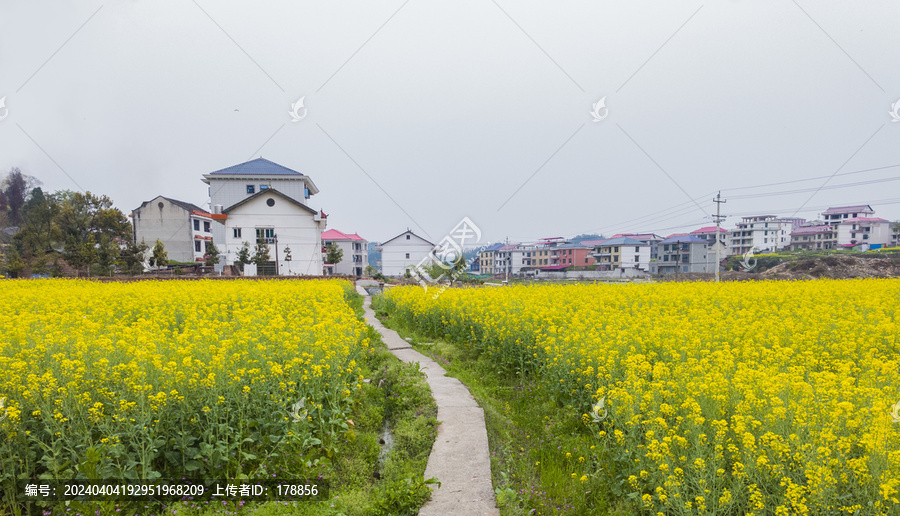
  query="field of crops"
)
[
  {"x": 203, "y": 379},
  {"x": 701, "y": 398}
]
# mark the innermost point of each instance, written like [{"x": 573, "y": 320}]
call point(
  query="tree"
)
[
  {"x": 12, "y": 262},
  {"x": 260, "y": 253},
  {"x": 107, "y": 255},
  {"x": 132, "y": 257},
  {"x": 159, "y": 257},
  {"x": 39, "y": 230},
  {"x": 371, "y": 271},
  {"x": 16, "y": 188},
  {"x": 243, "y": 255},
  {"x": 334, "y": 254},
  {"x": 212, "y": 254},
  {"x": 84, "y": 219}
]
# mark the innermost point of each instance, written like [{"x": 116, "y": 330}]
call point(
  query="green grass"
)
[{"x": 529, "y": 435}]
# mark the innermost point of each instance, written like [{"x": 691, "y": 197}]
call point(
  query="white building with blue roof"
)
[{"x": 262, "y": 201}]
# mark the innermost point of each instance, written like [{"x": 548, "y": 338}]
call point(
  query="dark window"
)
[
  {"x": 251, "y": 189},
  {"x": 407, "y": 237},
  {"x": 197, "y": 245},
  {"x": 407, "y": 255},
  {"x": 237, "y": 232},
  {"x": 196, "y": 225},
  {"x": 270, "y": 202},
  {"x": 206, "y": 245},
  {"x": 206, "y": 227}
]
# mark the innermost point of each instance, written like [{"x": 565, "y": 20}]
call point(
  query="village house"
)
[
  {"x": 185, "y": 229},
  {"x": 403, "y": 252},
  {"x": 683, "y": 254},
  {"x": 355, "y": 248},
  {"x": 262, "y": 202}
]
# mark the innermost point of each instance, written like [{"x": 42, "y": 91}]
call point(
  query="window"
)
[
  {"x": 197, "y": 246},
  {"x": 266, "y": 235},
  {"x": 270, "y": 202},
  {"x": 305, "y": 192},
  {"x": 637, "y": 249},
  {"x": 407, "y": 237},
  {"x": 251, "y": 189},
  {"x": 206, "y": 227},
  {"x": 196, "y": 225},
  {"x": 206, "y": 245},
  {"x": 236, "y": 232},
  {"x": 263, "y": 187},
  {"x": 407, "y": 254}
]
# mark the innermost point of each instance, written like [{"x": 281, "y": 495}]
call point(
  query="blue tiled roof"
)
[
  {"x": 683, "y": 238},
  {"x": 257, "y": 167},
  {"x": 621, "y": 241}
]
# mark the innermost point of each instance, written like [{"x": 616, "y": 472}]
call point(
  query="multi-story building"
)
[
  {"x": 763, "y": 233},
  {"x": 509, "y": 260},
  {"x": 487, "y": 259},
  {"x": 261, "y": 202},
  {"x": 682, "y": 254},
  {"x": 573, "y": 255},
  {"x": 185, "y": 229},
  {"x": 838, "y": 214},
  {"x": 651, "y": 239},
  {"x": 622, "y": 253},
  {"x": 873, "y": 232},
  {"x": 355, "y": 257},
  {"x": 814, "y": 237}
]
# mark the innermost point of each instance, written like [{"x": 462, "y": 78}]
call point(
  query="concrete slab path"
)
[{"x": 460, "y": 458}]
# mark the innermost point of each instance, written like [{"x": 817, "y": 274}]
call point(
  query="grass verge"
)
[{"x": 543, "y": 459}]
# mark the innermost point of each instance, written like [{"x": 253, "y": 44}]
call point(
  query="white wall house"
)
[
  {"x": 837, "y": 214},
  {"x": 403, "y": 252},
  {"x": 622, "y": 253},
  {"x": 263, "y": 200},
  {"x": 873, "y": 231},
  {"x": 283, "y": 224},
  {"x": 356, "y": 255},
  {"x": 763, "y": 232},
  {"x": 185, "y": 229}
]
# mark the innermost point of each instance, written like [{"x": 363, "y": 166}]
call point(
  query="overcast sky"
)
[{"x": 419, "y": 113}]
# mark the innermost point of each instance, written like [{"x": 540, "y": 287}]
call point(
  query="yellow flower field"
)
[
  {"x": 207, "y": 379},
  {"x": 731, "y": 398}
]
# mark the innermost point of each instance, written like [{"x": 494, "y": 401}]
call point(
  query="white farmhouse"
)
[
  {"x": 873, "y": 232},
  {"x": 403, "y": 252},
  {"x": 263, "y": 202},
  {"x": 356, "y": 256},
  {"x": 185, "y": 229}
]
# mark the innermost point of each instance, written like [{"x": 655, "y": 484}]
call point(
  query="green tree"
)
[
  {"x": 107, "y": 255},
  {"x": 132, "y": 257},
  {"x": 260, "y": 254},
  {"x": 212, "y": 254},
  {"x": 12, "y": 262},
  {"x": 16, "y": 188},
  {"x": 159, "y": 257},
  {"x": 243, "y": 255},
  {"x": 84, "y": 219},
  {"x": 371, "y": 271},
  {"x": 334, "y": 254}
]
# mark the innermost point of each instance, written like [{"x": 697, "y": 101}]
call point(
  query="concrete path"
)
[{"x": 460, "y": 459}]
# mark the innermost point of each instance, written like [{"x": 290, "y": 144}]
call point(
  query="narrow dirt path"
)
[{"x": 460, "y": 459}]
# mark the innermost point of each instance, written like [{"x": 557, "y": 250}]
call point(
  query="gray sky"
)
[{"x": 420, "y": 113}]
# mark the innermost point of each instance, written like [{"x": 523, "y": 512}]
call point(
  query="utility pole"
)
[
  {"x": 509, "y": 262},
  {"x": 718, "y": 200}
]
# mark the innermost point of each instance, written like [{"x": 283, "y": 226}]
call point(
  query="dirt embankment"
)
[{"x": 837, "y": 267}]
